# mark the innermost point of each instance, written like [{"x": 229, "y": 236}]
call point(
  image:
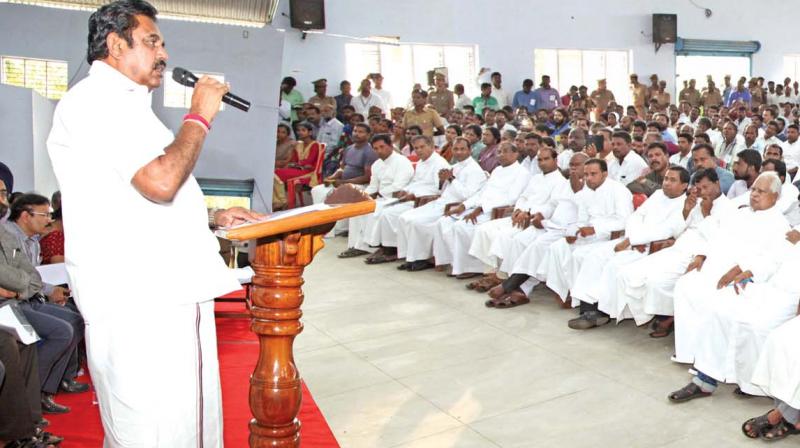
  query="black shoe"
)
[
  {"x": 73, "y": 387},
  {"x": 405, "y": 266},
  {"x": 49, "y": 406},
  {"x": 43, "y": 423},
  {"x": 48, "y": 438},
  {"x": 420, "y": 265},
  {"x": 587, "y": 320}
]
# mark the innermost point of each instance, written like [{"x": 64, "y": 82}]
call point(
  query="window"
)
[
  {"x": 48, "y": 78},
  {"x": 404, "y": 65},
  {"x": 699, "y": 67},
  {"x": 791, "y": 67},
  {"x": 180, "y": 96},
  {"x": 568, "y": 68}
]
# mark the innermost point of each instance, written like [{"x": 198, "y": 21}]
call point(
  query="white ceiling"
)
[{"x": 233, "y": 12}]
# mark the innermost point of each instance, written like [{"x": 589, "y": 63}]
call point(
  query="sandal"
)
[
  {"x": 467, "y": 275},
  {"x": 757, "y": 426},
  {"x": 352, "y": 252},
  {"x": 662, "y": 331},
  {"x": 380, "y": 258},
  {"x": 688, "y": 392},
  {"x": 511, "y": 300},
  {"x": 488, "y": 284},
  {"x": 780, "y": 431},
  {"x": 742, "y": 394},
  {"x": 492, "y": 303}
]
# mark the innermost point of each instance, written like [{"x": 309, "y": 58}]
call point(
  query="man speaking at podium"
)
[{"x": 142, "y": 263}]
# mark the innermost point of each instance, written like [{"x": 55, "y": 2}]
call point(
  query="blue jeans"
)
[{"x": 705, "y": 382}]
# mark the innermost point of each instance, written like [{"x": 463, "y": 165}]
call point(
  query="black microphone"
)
[{"x": 186, "y": 78}]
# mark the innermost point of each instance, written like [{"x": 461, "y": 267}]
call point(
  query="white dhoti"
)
[
  {"x": 388, "y": 225},
  {"x": 736, "y": 328},
  {"x": 156, "y": 375},
  {"x": 462, "y": 235},
  {"x": 691, "y": 300},
  {"x": 416, "y": 229},
  {"x": 508, "y": 247},
  {"x": 561, "y": 264},
  {"x": 485, "y": 236},
  {"x": 777, "y": 372},
  {"x": 645, "y": 288},
  {"x": 363, "y": 230},
  {"x": 587, "y": 286},
  {"x": 605, "y": 292}
]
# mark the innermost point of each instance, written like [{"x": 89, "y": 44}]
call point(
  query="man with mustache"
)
[{"x": 125, "y": 178}]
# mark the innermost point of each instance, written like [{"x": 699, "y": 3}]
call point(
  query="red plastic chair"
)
[
  {"x": 294, "y": 185},
  {"x": 638, "y": 200}
]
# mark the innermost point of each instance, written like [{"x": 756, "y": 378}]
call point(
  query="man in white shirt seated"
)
[
  {"x": 424, "y": 183},
  {"x": 390, "y": 173},
  {"x": 733, "y": 321},
  {"x": 791, "y": 149},
  {"x": 748, "y": 244},
  {"x": 777, "y": 374},
  {"x": 537, "y": 238},
  {"x": 731, "y": 144},
  {"x": 746, "y": 169},
  {"x": 658, "y": 219},
  {"x": 416, "y": 227},
  {"x": 770, "y": 136},
  {"x": 626, "y": 166},
  {"x": 682, "y": 157},
  {"x": 455, "y": 230},
  {"x": 644, "y": 289},
  {"x": 532, "y": 144},
  {"x": 537, "y": 199}
]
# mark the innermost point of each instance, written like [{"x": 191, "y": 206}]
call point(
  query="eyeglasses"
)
[{"x": 49, "y": 215}]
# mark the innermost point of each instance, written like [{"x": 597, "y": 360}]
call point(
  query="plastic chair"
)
[{"x": 294, "y": 185}]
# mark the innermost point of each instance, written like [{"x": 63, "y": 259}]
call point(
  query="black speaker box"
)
[
  {"x": 665, "y": 28},
  {"x": 307, "y": 14}
]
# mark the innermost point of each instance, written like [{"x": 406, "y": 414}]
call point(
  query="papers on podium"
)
[{"x": 283, "y": 214}]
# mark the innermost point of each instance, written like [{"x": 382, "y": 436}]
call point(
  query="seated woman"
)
[
  {"x": 52, "y": 244},
  {"x": 284, "y": 147},
  {"x": 303, "y": 158},
  {"x": 450, "y": 135}
]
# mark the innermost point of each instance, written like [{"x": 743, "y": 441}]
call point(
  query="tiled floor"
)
[{"x": 398, "y": 359}]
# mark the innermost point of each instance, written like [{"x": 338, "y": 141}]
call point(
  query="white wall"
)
[
  {"x": 16, "y": 143},
  {"x": 240, "y": 146},
  {"x": 507, "y": 31}
]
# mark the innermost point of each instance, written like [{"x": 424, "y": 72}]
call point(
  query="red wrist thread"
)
[{"x": 199, "y": 118}]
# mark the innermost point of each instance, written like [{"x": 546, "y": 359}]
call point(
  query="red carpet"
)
[{"x": 238, "y": 352}]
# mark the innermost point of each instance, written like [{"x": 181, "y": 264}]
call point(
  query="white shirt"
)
[
  {"x": 791, "y": 153},
  {"x": 678, "y": 159},
  {"x": 386, "y": 98},
  {"x": 658, "y": 218},
  {"x": 631, "y": 168},
  {"x": 563, "y": 159},
  {"x": 425, "y": 181},
  {"x": 390, "y": 175},
  {"x": 606, "y": 208},
  {"x": 329, "y": 132},
  {"x": 538, "y": 194},
  {"x": 727, "y": 151},
  {"x": 532, "y": 165},
  {"x": 362, "y": 104},
  {"x": 738, "y": 188},
  {"x": 775, "y": 99},
  {"x": 469, "y": 178},
  {"x": 463, "y": 100},
  {"x": 504, "y": 186},
  {"x": 503, "y": 98},
  {"x": 95, "y": 155}
]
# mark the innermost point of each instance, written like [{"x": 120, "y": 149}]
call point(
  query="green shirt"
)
[
  {"x": 480, "y": 102},
  {"x": 294, "y": 98}
]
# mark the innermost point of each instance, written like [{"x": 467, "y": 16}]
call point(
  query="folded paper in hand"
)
[
  {"x": 53, "y": 274},
  {"x": 13, "y": 321}
]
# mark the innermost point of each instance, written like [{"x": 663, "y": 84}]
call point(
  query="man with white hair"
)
[
  {"x": 748, "y": 247},
  {"x": 416, "y": 227}
]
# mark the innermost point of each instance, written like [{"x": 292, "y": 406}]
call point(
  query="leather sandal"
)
[
  {"x": 756, "y": 425},
  {"x": 780, "y": 431},
  {"x": 688, "y": 392}
]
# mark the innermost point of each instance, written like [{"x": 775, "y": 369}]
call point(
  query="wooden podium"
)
[{"x": 283, "y": 248}]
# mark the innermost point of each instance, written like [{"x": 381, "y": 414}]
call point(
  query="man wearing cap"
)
[
  {"x": 690, "y": 94},
  {"x": 321, "y": 97},
  {"x": 442, "y": 99},
  {"x": 640, "y": 95},
  {"x": 711, "y": 95},
  {"x": 652, "y": 90},
  {"x": 601, "y": 97}
]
